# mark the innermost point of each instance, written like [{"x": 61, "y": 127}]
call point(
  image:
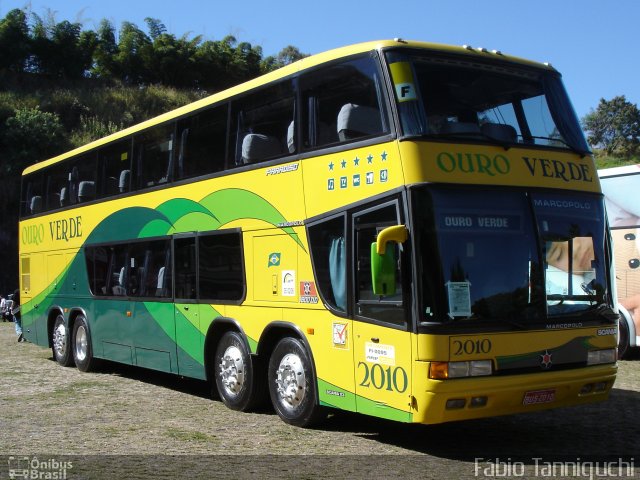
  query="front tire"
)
[
  {"x": 235, "y": 375},
  {"x": 61, "y": 342},
  {"x": 82, "y": 350},
  {"x": 623, "y": 337},
  {"x": 292, "y": 384}
]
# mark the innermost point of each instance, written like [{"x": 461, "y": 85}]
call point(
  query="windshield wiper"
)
[{"x": 606, "y": 312}]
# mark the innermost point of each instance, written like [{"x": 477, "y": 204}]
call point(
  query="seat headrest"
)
[
  {"x": 86, "y": 189},
  {"x": 500, "y": 132},
  {"x": 256, "y": 147},
  {"x": 358, "y": 119}
]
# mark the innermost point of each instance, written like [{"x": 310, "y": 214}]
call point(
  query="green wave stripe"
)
[
  {"x": 246, "y": 204},
  {"x": 184, "y": 215}
]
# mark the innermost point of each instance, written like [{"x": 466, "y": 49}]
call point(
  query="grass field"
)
[{"x": 154, "y": 425}]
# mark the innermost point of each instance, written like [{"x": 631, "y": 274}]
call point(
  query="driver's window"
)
[{"x": 367, "y": 226}]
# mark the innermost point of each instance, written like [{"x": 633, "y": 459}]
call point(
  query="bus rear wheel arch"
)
[{"x": 292, "y": 384}]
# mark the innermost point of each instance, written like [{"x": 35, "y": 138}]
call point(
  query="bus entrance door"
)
[
  {"x": 383, "y": 371},
  {"x": 382, "y": 342}
]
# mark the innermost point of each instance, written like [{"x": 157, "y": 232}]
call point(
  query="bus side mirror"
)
[{"x": 384, "y": 261}]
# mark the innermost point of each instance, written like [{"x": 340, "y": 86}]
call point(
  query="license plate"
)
[{"x": 539, "y": 396}]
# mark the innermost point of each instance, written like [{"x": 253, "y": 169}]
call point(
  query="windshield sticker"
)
[
  {"x": 459, "y": 299},
  {"x": 403, "y": 80}
]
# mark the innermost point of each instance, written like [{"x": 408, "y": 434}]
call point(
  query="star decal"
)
[
  {"x": 384, "y": 156},
  {"x": 356, "y": 161},
  {"x": 545, "y": 359},
  {"x": 343, "y": 163},
  {"x": 331, "y": 166},
  {"x": 370, "y": 159}
]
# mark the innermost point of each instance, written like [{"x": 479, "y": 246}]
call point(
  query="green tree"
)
[
  {"x": 221, "y": 64},
  {"x": 14, "y": 41},
  {"x": 156, "y": 27},
  {"x": 62, "y": 50},
  {"x": 287, "y": 55},
  {"x": 134, "y": 54},
  {"x": 172, "y": 59},
  {"x": 614, "y": 126},
  {"x": 105, "y": 52},
  {"x": 30, "y": 136}
]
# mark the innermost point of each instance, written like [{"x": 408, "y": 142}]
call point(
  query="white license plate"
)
[{"x": 539, "y": 396}]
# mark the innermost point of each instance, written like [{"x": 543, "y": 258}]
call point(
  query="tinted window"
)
[
  {"x": 32, "y": 194},
  {"x": 388, "y": 308},
  {"x": 139, "y": 269},
  {"x": 263, "y": 124},
  {"x": 342, "y": 103},
  {"x": 149, "y": 269},
  {"x": 154, "y": 156},
  {"x": 82, "y": 179},
  {"x": 327, "y": 240},
  {"x": 115, "y": 165},
  {"x": 202, "y": 143},
  {"x": 185, "y": 268},
  {"x": 107, "y": 270},
  {"x": 57, "y": 187},
  {"x": 221, "y": 273}
]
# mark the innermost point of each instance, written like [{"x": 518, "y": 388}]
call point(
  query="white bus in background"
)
[{"x": 621, "y": 187}]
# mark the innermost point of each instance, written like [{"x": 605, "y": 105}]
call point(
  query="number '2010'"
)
[
  {"x": 381, "y": 378},
  {"x": 471, "y": 346}
]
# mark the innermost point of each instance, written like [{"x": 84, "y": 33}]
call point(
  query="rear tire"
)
[
  {"x": 82, "y": 349},
  {"x": 237, "y": 382},
  {"x": 61, "y": 342},
  {"x": 292, "y": 384}
]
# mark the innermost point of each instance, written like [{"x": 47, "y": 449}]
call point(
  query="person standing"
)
[
  {"x": 15, "y": 311},
  {"x": 3, "y": 307}
]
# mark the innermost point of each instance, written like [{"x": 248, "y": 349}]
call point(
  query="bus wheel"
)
[
  {"x": 82, "y": 351},
  {"x": 292, "y": 385},
  {"x": 61, "y": 343},
  {"x": 623, "y": 338},
  {"x": 234, "y": 373}
]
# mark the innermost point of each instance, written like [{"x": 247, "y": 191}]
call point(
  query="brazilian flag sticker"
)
[{"x": 274, "y": 259}]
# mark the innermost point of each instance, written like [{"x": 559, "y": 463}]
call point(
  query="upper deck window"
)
[
  {"x": 342, "y": 103},
  {"x": 462, "y": 99}
]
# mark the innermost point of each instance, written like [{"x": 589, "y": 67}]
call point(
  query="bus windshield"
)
[
  {"x": 460, "y": 98},
  {"x": 514, "y": 255}
]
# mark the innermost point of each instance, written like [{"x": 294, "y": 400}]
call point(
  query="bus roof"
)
[
  {"x": 619, "y": 171},
  {"x": 303, "y": 64}
]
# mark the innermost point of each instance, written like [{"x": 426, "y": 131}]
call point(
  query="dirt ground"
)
[{"x": 123, "y": 422}]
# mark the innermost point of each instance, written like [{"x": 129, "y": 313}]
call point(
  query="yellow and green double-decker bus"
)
[{"x": 408, "y": 230}]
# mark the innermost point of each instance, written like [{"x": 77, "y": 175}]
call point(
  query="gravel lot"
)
[{"x": 126, "y": 422}]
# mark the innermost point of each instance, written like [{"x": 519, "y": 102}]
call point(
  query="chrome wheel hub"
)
[
  {"x": 81, "y": 343},
  {"x": 291, "y": 381},
  {"x": 232, "y": 370},
  {"x": 60, "y": 340}
]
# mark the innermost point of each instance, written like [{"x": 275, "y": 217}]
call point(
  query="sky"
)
[{"x": 593, "y": 43}]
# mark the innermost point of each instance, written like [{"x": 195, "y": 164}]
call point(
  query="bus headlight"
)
[
  {"x": 473, "y": 368},
  {"x": 597, "y": 357}
]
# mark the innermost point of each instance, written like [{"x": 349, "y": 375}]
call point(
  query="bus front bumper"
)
[{"x": 468, "y": 398}]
